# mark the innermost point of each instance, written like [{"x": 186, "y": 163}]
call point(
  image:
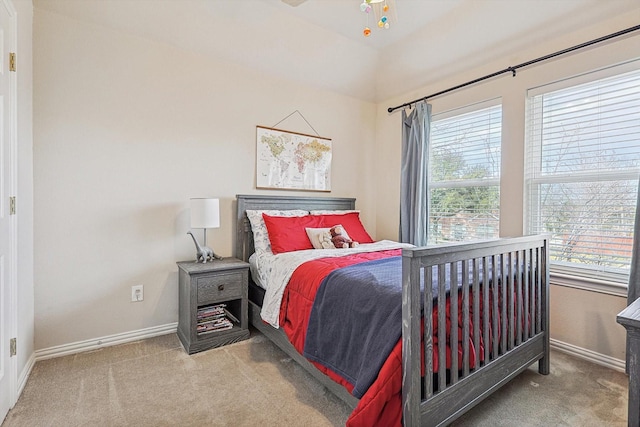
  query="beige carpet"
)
[{"x": 252, "y": 383}]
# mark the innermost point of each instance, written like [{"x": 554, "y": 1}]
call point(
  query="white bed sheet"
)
[{"x": 255, "y": 270}]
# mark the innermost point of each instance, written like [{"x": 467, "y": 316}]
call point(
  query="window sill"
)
[{"x": 593, "y": 285}]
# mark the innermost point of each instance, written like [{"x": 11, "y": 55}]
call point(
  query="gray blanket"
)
[{"x": 356, "y": 319}]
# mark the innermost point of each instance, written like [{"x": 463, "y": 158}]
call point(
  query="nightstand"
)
[{"x": 212, "y": 303}]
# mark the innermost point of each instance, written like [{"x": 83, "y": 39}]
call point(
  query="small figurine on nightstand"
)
[{"x": 203, "y": 254}]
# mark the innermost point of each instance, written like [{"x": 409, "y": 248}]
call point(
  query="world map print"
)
[{"x": 291, "y": 160}]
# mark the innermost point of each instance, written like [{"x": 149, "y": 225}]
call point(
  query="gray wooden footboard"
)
[
  {"x": 516, "y": 338},
  {"x": 507, "y": 337}
]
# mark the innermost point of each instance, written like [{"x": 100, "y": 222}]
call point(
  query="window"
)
[
  {"x": 464, "y": 181},
  {"x": 583, "y": 158}
]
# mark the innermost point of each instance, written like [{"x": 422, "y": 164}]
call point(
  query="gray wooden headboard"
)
[{"x": 244, "y": 238}]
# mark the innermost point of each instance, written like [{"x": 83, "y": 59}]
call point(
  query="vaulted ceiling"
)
[{"x": 320, "y": 42}]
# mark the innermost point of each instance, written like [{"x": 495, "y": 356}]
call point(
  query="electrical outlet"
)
[{"x": 137, "y": 293}]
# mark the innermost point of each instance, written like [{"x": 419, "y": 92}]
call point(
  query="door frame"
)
[{"x": 12, "y": 316}]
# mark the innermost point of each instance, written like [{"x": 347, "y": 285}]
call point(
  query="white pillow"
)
[
  {"x": 261, "y": 241},
  {"x": 321, "y": 237}
]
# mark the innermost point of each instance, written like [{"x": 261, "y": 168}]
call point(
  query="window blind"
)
[
  {"x": 583, "y": 158},
  {"x": 464, "y": 181}
]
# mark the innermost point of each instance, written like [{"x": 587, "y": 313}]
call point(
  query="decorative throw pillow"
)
[
  {"x": 260, "y": 235},
  {"x": 350, "y": 222},
  {"x": 320, "y": 238},
  {"x": 287, "y": 234}
]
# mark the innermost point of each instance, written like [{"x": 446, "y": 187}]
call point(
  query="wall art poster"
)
[{"x": 292, "y": 161}]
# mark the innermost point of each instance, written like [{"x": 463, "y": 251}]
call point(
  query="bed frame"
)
[{"x": 518, "y": 337}]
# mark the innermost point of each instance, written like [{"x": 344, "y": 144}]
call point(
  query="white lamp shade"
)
[{"x": 205, "y": 213}]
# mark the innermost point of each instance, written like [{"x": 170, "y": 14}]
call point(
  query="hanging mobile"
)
[
  {"x": 366, "y": 8},
  {"x": 383, "y": 20}
]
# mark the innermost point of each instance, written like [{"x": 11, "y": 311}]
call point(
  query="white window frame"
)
[{"x": 610, "y": 283}]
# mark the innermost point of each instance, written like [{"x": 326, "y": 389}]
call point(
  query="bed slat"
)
[
  {"x": 428, "y": 332},
  {"x": 476, "y": 310},
  {"x": 511, "y": 304},
  {"x": 454, "y": 323},
  {"x": 503, "y": 306},
  {"x": 526, "y": 308},
  {"x": 442, "y": 325},
  {"x": 519, "y": 291},
  {"x": 538, "y": 280},
  {"x": 532, "y": 295},
  {"x": 495, "y": 288},
  {"x": 485, "y": 309},
  {"x": 465, "y": 319}
]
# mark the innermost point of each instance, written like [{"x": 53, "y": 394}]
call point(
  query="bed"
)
[{"x": 502, "y": 327}]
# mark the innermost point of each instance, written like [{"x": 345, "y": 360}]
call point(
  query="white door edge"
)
[{"x": 12, "y": 317}]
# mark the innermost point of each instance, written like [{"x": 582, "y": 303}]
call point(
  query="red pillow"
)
[
  {"x": 288, "y": 234},
  {"x": 351, "y": 222}
]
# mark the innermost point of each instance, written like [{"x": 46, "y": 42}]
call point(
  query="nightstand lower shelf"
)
[{"x": 218, "y": 339}]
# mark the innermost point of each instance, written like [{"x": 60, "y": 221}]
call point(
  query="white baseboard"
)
[
  {"x": 589, "y": 355},
  {"x": 110, "y": 340},
  {"x": 24, "y": 375},
  {"x": 107, "y": 341}
]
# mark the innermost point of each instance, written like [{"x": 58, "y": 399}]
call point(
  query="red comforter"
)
[{"x": 381, "y": 405}]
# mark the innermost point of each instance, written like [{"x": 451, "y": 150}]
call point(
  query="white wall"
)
[
  {"x": 581, "y": 318},
  {"x": 126, "y": 130}
]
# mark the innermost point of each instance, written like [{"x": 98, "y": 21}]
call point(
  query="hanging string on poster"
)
[{"x": 303, "y": 118}]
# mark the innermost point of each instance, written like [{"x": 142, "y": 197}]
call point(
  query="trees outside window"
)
[{"x": 464, "y": 181}]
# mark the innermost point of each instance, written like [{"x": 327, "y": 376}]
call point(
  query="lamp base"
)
[{"x": 203, "y": 253}]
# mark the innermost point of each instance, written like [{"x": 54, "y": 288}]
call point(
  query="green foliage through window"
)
[{"x": 465, "y": 176}]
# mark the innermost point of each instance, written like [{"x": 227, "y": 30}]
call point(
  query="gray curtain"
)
[
  {"x": 634, "y": 275},
  {"x": 414, "y": 191}
]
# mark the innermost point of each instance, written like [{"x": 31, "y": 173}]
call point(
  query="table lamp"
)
[{"x": 205, "y": 213}]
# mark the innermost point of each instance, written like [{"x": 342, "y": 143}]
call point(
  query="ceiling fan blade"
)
[{"x": 293, "y": 3}]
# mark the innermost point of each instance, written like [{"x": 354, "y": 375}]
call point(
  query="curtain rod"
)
[{"x": 513, "y": 69}]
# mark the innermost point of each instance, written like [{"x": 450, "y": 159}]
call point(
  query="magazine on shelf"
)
[
  {"x": 214, "y": 318},
  {"x": 221, "y": 325},
  {"x": 213, "y": 310}
]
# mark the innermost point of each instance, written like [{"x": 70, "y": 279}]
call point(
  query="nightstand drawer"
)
[{"x": 219, "y": 287}]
